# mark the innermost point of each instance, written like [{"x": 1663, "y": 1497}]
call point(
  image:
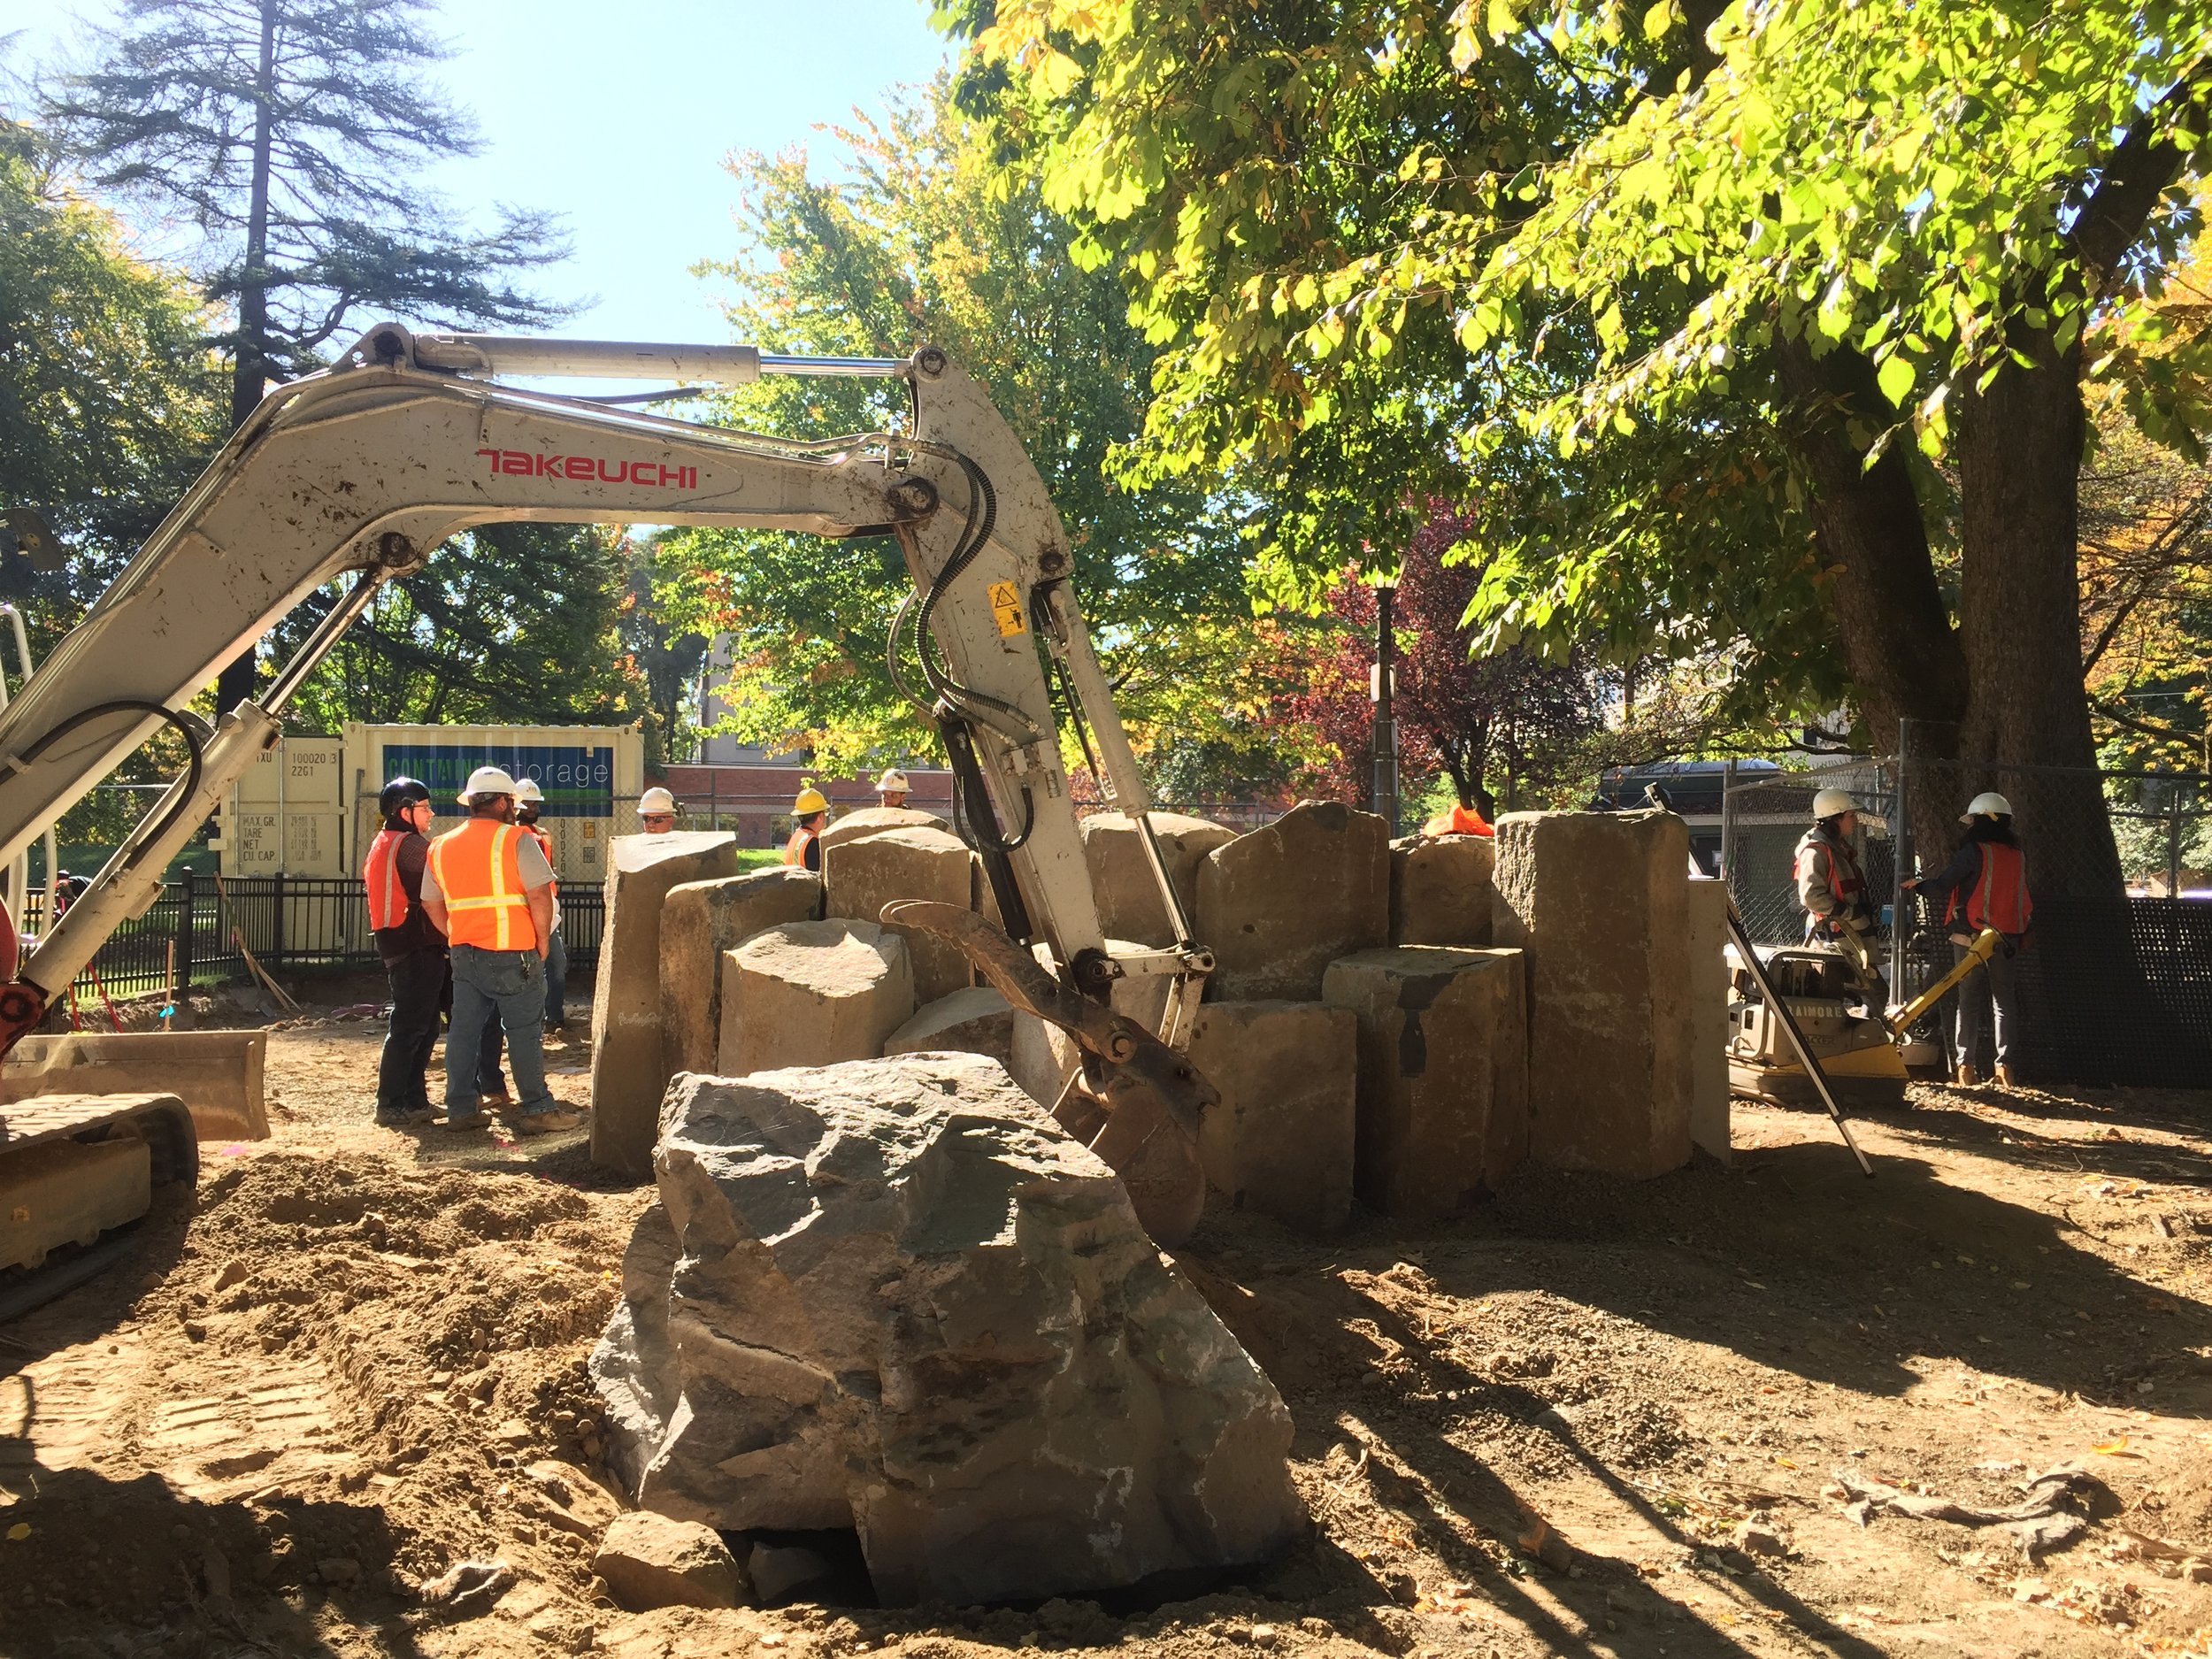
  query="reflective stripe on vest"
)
[
  {"x": 387, "y": 899},
  {"x": 478, "y": 868},
  {"x": 1998, "y": 897},
  {"x": 795, "y": 849}
]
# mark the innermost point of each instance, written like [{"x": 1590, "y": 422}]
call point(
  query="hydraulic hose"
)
[{"x": 195, "y": 742}]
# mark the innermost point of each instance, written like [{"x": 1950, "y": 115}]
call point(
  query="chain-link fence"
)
[{"x": 2115, "y": 976}]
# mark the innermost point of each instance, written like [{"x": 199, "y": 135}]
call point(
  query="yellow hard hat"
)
[{"x": 810, "y": 801}]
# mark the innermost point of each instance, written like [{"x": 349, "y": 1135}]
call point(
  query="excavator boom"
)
[{"x": 362, "y": 470}]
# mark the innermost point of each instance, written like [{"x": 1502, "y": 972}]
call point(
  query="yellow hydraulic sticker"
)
[{"x": 1006, "y": 609}]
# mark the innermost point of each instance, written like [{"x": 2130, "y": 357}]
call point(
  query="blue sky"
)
[{"x": 617, "y": 113}]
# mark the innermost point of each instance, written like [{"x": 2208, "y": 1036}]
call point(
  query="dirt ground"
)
[{"x": 1595, "y": 1418}]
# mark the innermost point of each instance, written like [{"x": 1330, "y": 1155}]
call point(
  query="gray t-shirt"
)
[{"x": 529, "y": 858}]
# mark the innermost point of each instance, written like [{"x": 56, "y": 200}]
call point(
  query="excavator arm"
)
[{"x": 364, "y": 469}]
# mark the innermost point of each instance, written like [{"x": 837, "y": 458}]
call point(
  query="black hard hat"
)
[{"x": 400, "y": 794}]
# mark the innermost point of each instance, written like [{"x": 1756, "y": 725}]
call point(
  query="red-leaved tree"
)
[{"x": 1494, "y": 726}]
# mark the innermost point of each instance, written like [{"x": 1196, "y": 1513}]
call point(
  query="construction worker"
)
[
  {"x": 1986, "y": 885},
  {"x": 656, "y": 812},
  {"x": 811, "y": 811},
  {"x": 891, "y": 788},
  {"x": 529, "y": 801},
  {"x": 1832, "y": 888},
  {"x": 488, "y": 886},
  {"x": 414, "y": 951},
  {"x": 1463, "y": 820}
]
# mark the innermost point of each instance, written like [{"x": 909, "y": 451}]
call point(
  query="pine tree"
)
[{"x": 291, "y": 133}]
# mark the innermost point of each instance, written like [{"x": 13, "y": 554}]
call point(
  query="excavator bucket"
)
[
  {"x": 216, "y": 1073},
  {"x": 1142, "y": 1115}
]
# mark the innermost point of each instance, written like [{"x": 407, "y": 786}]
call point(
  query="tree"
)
[
  {"x": 1509, "y": 726},
  {"x": 927, "y": 238},
  {"x": 287, "y": 132},
  {"x": 108, "y": 403},
  {"x": 1730, "y": 298},
  {"x": 507, "y": 624}
]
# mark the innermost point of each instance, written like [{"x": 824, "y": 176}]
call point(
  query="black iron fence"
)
[
  {"x": 2115, "y": 976},
  {"x": 202, "y": 928}
]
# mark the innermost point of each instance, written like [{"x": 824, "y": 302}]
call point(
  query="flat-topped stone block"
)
[
  {"x": 1279, "y": 905},
  {"x": 1439, "y": 889},
  {"x": 1129, "y": 904},
  {"x": 1443, "y": 1073},
  {"x": 1282, "y": 1140},
  {"x": 977, "y": 1020},
  {"x": 813, "y": 993},
  {"x": 1600, "y": 901},
  {"x": 629, "y": 1066},
  {"x": 860, "y": 877},
  {"x": 699, "y": 921}
]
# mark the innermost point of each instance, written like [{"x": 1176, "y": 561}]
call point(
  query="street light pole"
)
[{"x": 1386, "y": 726}]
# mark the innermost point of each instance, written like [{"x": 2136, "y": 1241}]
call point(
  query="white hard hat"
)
[
  {"x": 1988, "y": 804},
  {"x": 1829, "y": 802},
  {"x": 655, "y": 800},
  {"x": 527, "y": 789},
  {"x": 487, "y": 780},
  {"x": 894, "y": 782}
]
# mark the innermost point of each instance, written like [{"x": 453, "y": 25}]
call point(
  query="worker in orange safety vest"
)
[
  {"x": 414, "y": 951},
  {"x": 1986, "y": 885},
  {"x": 1461, "y": 820},
  {"x": 811, "y": 812},
  {"x": 488, "y": 886},
  {"x": 1832, "y": 887}
]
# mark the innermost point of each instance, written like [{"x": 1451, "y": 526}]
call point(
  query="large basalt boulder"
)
[
  {"x": 977, "y": 1020},
  {"x": 1600, "y": 901},
  {"x": 699, "y": 921},
  {"x": 1280, "y": 1142},
  {"x": 1709, "y": 1016},
  {"x": 1443, "y": 1073},
  {"x": 1129, "y": 905},
  {"x": 813, "y": 993},
  {"x": 905, "y": 1302},
  {"x": 629, "y": 1063},
  {"x": 875, "y": 820},
  {"x": 1279, "y": 905},
  {"x": 1439, "y": 889},
  {"x": 860, "y": 877}
]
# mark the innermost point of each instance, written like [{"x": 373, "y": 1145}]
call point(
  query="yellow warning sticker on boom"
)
[{"x": 1006, "y": 607}]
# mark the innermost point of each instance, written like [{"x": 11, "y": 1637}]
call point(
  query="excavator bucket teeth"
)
[{"x": 1153, "y": 1098}]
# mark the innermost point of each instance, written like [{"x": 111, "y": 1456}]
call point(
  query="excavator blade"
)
[{"x": 1143, "y": 1114}]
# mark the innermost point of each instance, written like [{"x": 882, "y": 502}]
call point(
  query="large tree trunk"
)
[
  {"x": 2019, "y": 453},
  {"x": 1905, "y": 659},
  {"x": 249, "y": 364}
]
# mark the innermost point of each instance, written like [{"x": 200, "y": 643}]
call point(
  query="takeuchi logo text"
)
[{"x": 590, "y": 469}]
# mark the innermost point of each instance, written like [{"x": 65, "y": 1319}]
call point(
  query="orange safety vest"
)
[
  {"x": 795, "y": 849},
  {"x": 1461, "y": 820},
  {"x": 479, "y": 869},
  {"x": 388, "y": 900},
  {"x": 1998, "y": 897},
  {"x": 1844, "y": 881}
]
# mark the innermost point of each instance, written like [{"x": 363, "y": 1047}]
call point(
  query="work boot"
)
[
  {"x": 2004, "y": 1075},
  {"x": 414, "y": 1117},
  {"x": 546, "y": 1123},
  {"x": 1968, "y": 1076},
  {"x": 467, "y": 1123}
]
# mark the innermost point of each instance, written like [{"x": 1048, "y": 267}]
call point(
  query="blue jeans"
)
[
  {"x": 556, "y": 981},
  {"x": 1991, "y": 983},
  {"x": 511, "y": 982}
]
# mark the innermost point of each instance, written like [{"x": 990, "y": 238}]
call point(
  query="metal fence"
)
[
  {"x": 2115, "y": 974},
  {"x": 199, "y": 931}
]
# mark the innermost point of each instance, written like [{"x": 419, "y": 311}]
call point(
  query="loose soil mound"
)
[{"x": 1595, "y": 1418}]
